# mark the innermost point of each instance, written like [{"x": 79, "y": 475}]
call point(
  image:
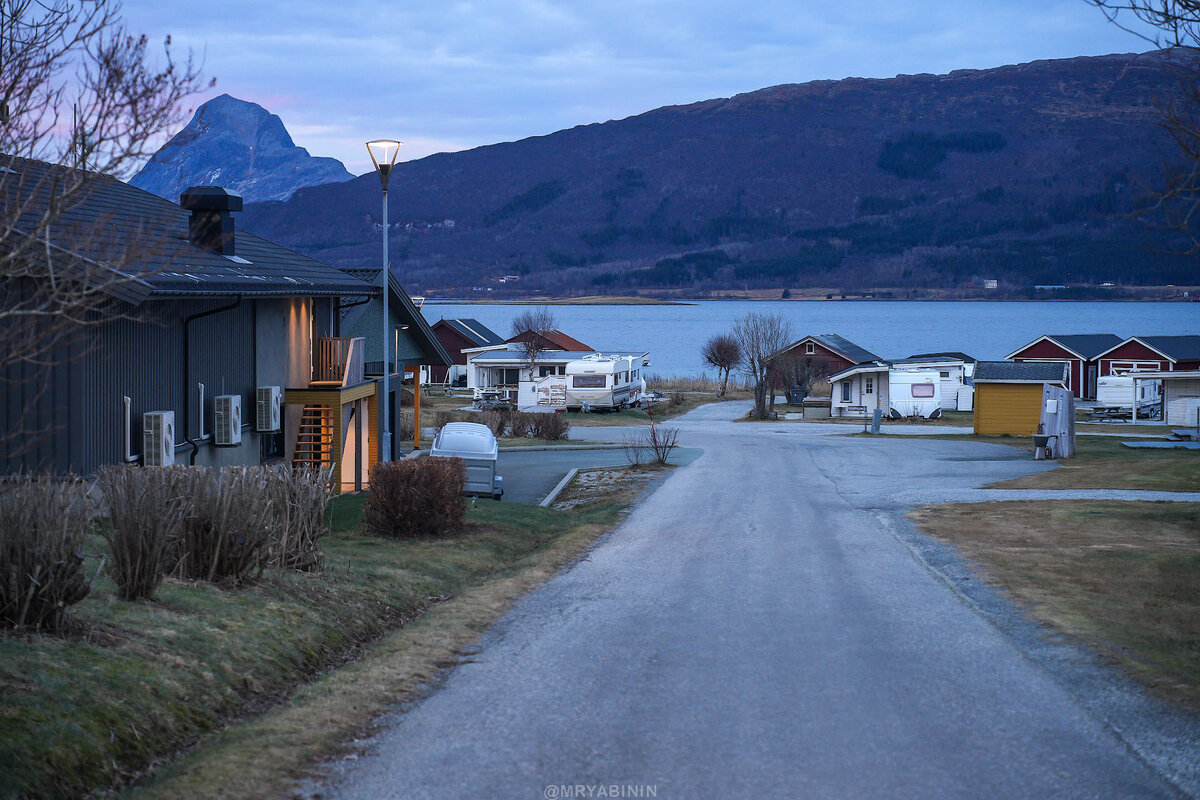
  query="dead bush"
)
[
  {"x": 676, "y": 398},
  {"x": 441, "y": 418},
  {"x": 299, "y": 498},
  {"x": 500, "y": 422},
  {"x": 42, "y": 525},
  {"x": 227, "y": 530},
  {"x": 146, "y": 507},
  {"x": 416, "y": 497},
  {"x": 405, "y": 426},
  {"x": 662, "y": 442},
  {"x": 549, "y": 427}
]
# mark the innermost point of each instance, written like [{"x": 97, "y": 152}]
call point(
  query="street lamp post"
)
[{"x": 383, "y": 156}]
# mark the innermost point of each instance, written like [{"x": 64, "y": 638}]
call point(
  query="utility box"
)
[
  {"x": 796, "y": 395},
  {"x": 476, "y": 445}
]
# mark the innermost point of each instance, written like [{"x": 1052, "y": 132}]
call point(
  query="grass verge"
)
[
  {"x": 1122, "y": 577},
  {"x": 131, "y": 683},
  {"x": 1102, "y": 462}
]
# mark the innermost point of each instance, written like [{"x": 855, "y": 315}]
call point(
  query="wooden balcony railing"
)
[{"x": 339, "y": 361}]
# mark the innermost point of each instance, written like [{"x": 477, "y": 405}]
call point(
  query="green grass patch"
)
[
  {"x": 131, "y": 683},
  {"x": 1102, "y": 462}
]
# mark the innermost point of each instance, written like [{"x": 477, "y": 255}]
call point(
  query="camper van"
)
[
  {"x": 1116, "y": 391},
  {"x": 915, "y": 393},
  {"x": 600, "y": 381}
]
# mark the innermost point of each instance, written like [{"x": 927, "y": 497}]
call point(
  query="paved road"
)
[{"x": 757, "y": 629}]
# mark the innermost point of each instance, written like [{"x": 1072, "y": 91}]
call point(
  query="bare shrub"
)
[
  {"x": 550, "y": 427},
  {"x": 146, "y": 508},
  {"x": 662, "y": 442},
  {"x": 299, "y": 498},
  {"x": 636, "y": 451},
  {"x": 416, "y": 497},
  {"x": 676, "y": 398},
  {"x": 498, "y": 421},
  {"x": 227, "y": 531},
  {"x": 443, "y": 418},
  {"x": 42, "y": 525},
  {"x": 723, "y": 352}
]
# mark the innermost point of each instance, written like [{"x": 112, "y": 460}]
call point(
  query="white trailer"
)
[
  {"x": 1116, "y": 391},
  {"x": 476, "y": 445},
  {"x": 600, "y": 381},
  {"x": 915, "y": 393}
]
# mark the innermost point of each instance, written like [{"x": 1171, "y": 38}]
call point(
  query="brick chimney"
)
[{"x": 211, "y": 224}]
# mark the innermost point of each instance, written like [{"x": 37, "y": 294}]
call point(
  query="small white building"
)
[
  {"x": 859, "y": 390},
  {"x": 498, "y": 370},
  {"x": 504, "y": 371}
]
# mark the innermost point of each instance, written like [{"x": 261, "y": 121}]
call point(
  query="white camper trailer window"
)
[
  {"x": 587, "y": 381},
  {"x": 922, "y": 390}
]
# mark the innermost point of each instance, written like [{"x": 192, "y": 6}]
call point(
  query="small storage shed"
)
[
  {"x": 1008, "y": 395},
  {"x": 1079, "y": 352}
]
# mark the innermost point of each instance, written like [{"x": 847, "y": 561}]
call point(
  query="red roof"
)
[{"x": 556, "y": 340}]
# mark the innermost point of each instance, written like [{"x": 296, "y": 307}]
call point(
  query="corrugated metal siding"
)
[{"x": 1012, "y": 409}]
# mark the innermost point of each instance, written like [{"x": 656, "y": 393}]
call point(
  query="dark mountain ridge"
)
[{"x": 1021, "y": 173}]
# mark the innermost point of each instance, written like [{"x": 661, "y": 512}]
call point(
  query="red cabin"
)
[
  {"x": 1081, "y": 352},
  {"x": 1151, "y": 354}
]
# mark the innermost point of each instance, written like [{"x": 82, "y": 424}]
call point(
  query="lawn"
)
[
  {"x": 1122, "y": 577},
  {"x": 131, "y": 683},
  {"x": 1102, "y": 462}
]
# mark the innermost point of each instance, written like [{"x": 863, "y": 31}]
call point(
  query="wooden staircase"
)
[{"x": 314, "y": 445}]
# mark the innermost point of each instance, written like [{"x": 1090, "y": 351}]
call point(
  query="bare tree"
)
[
  {"x": 1172, "y": 26},
  {"x": 808, "y": 372},
  {"x": 762, "y": 339},
  {"x": 530, "y": 328},
  {"x": 82, "y": 103},
  {"x": 722, "y": 351}
]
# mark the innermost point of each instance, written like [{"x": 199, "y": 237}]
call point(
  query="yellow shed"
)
[{"x": 1008, "y": 395}]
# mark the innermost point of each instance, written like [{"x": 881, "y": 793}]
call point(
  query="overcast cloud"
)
[{"x": 454, "y": 75}]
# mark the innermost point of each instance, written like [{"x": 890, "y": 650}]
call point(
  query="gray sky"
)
[{"x": 453, "y": 75}]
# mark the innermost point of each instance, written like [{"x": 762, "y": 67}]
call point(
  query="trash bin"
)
[
  {"x": 476, "y": 445},
  {"x": 796, "y": 395}
]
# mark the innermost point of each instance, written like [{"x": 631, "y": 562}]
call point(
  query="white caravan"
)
[
  {"x": 1116, "y": 391},
  {"x": 915, "y": 393},
  {"x": 599, "y": 381}
]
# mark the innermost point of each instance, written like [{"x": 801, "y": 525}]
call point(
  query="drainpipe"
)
[
  {"x": 129, "y": 459},
  {"x": 187, "y": 352}
]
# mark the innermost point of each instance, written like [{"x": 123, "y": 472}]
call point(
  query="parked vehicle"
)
[
  {"x": 600, "y": 382},
  {"x": 915, "y": 393},
  {"x": 476, "y": 445},
  {"x": 1116, "y": 391}
]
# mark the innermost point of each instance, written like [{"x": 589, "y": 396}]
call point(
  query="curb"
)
[
  {"x": 557, "y": 490},
  {"x": 531, "y": 448}
]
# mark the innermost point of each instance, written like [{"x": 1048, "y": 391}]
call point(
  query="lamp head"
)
[{"x": 383, "y": 155}]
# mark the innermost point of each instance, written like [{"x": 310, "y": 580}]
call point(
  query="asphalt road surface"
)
[{"x": 756, "y": 629}]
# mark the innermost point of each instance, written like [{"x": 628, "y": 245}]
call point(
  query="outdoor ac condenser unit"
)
[
  {"x": 158, "y": 438},
  {"x": 270, "y": 399},
  {"x": 228, "y": 419}
]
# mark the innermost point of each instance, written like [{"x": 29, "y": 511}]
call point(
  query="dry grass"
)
[
  {"x": 267, "y": 756},
  {"x": 1104, "y": 463},
  {"x": 1123, "y": 577}
]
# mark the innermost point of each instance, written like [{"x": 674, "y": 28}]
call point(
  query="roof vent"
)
[{"x": 211, "y": 224}]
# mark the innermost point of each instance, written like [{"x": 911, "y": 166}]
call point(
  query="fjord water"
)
[{"x": 674, "y": 334}]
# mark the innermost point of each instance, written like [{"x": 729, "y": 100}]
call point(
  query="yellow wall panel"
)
[{"x": 1013, "y": 409}]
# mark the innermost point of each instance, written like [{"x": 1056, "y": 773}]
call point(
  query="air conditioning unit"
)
[
  {"x": 228, "y": 422},
  {"x": 270, "y": 400},
  {"x": 158, "y": 438}
]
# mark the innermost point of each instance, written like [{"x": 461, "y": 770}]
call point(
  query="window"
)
[
  {"x": 588, "y": 381},
  {"x": 922, "y": 390},
  {"x": 845, "y": 391},
  {"x": 809, "y": 348},
  {"x": 945, "y": 373},
  {"x": 510, "y": 377},
  {"x": 869, "y": 386}
]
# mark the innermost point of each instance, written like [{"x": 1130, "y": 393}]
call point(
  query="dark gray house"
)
[{"x": 215, "y": 347}]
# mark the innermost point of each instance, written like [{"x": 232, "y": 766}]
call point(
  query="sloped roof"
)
[
  {"x": 1179, "y": 348},
  {"x": 1020, "y": 371},
  {"x": 840, "y": 345},
  {"x": 557, "y": 339},
  {"x": 419, "y": 327},
  {"x": 474, "y": 330},
  {"x": 1084, "y": 345},
  {"x": 951, "y": 355},
  {"x": 147, "y": 236}
]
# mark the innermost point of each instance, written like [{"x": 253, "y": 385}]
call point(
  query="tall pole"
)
[{"x": 385, "y": 431}]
